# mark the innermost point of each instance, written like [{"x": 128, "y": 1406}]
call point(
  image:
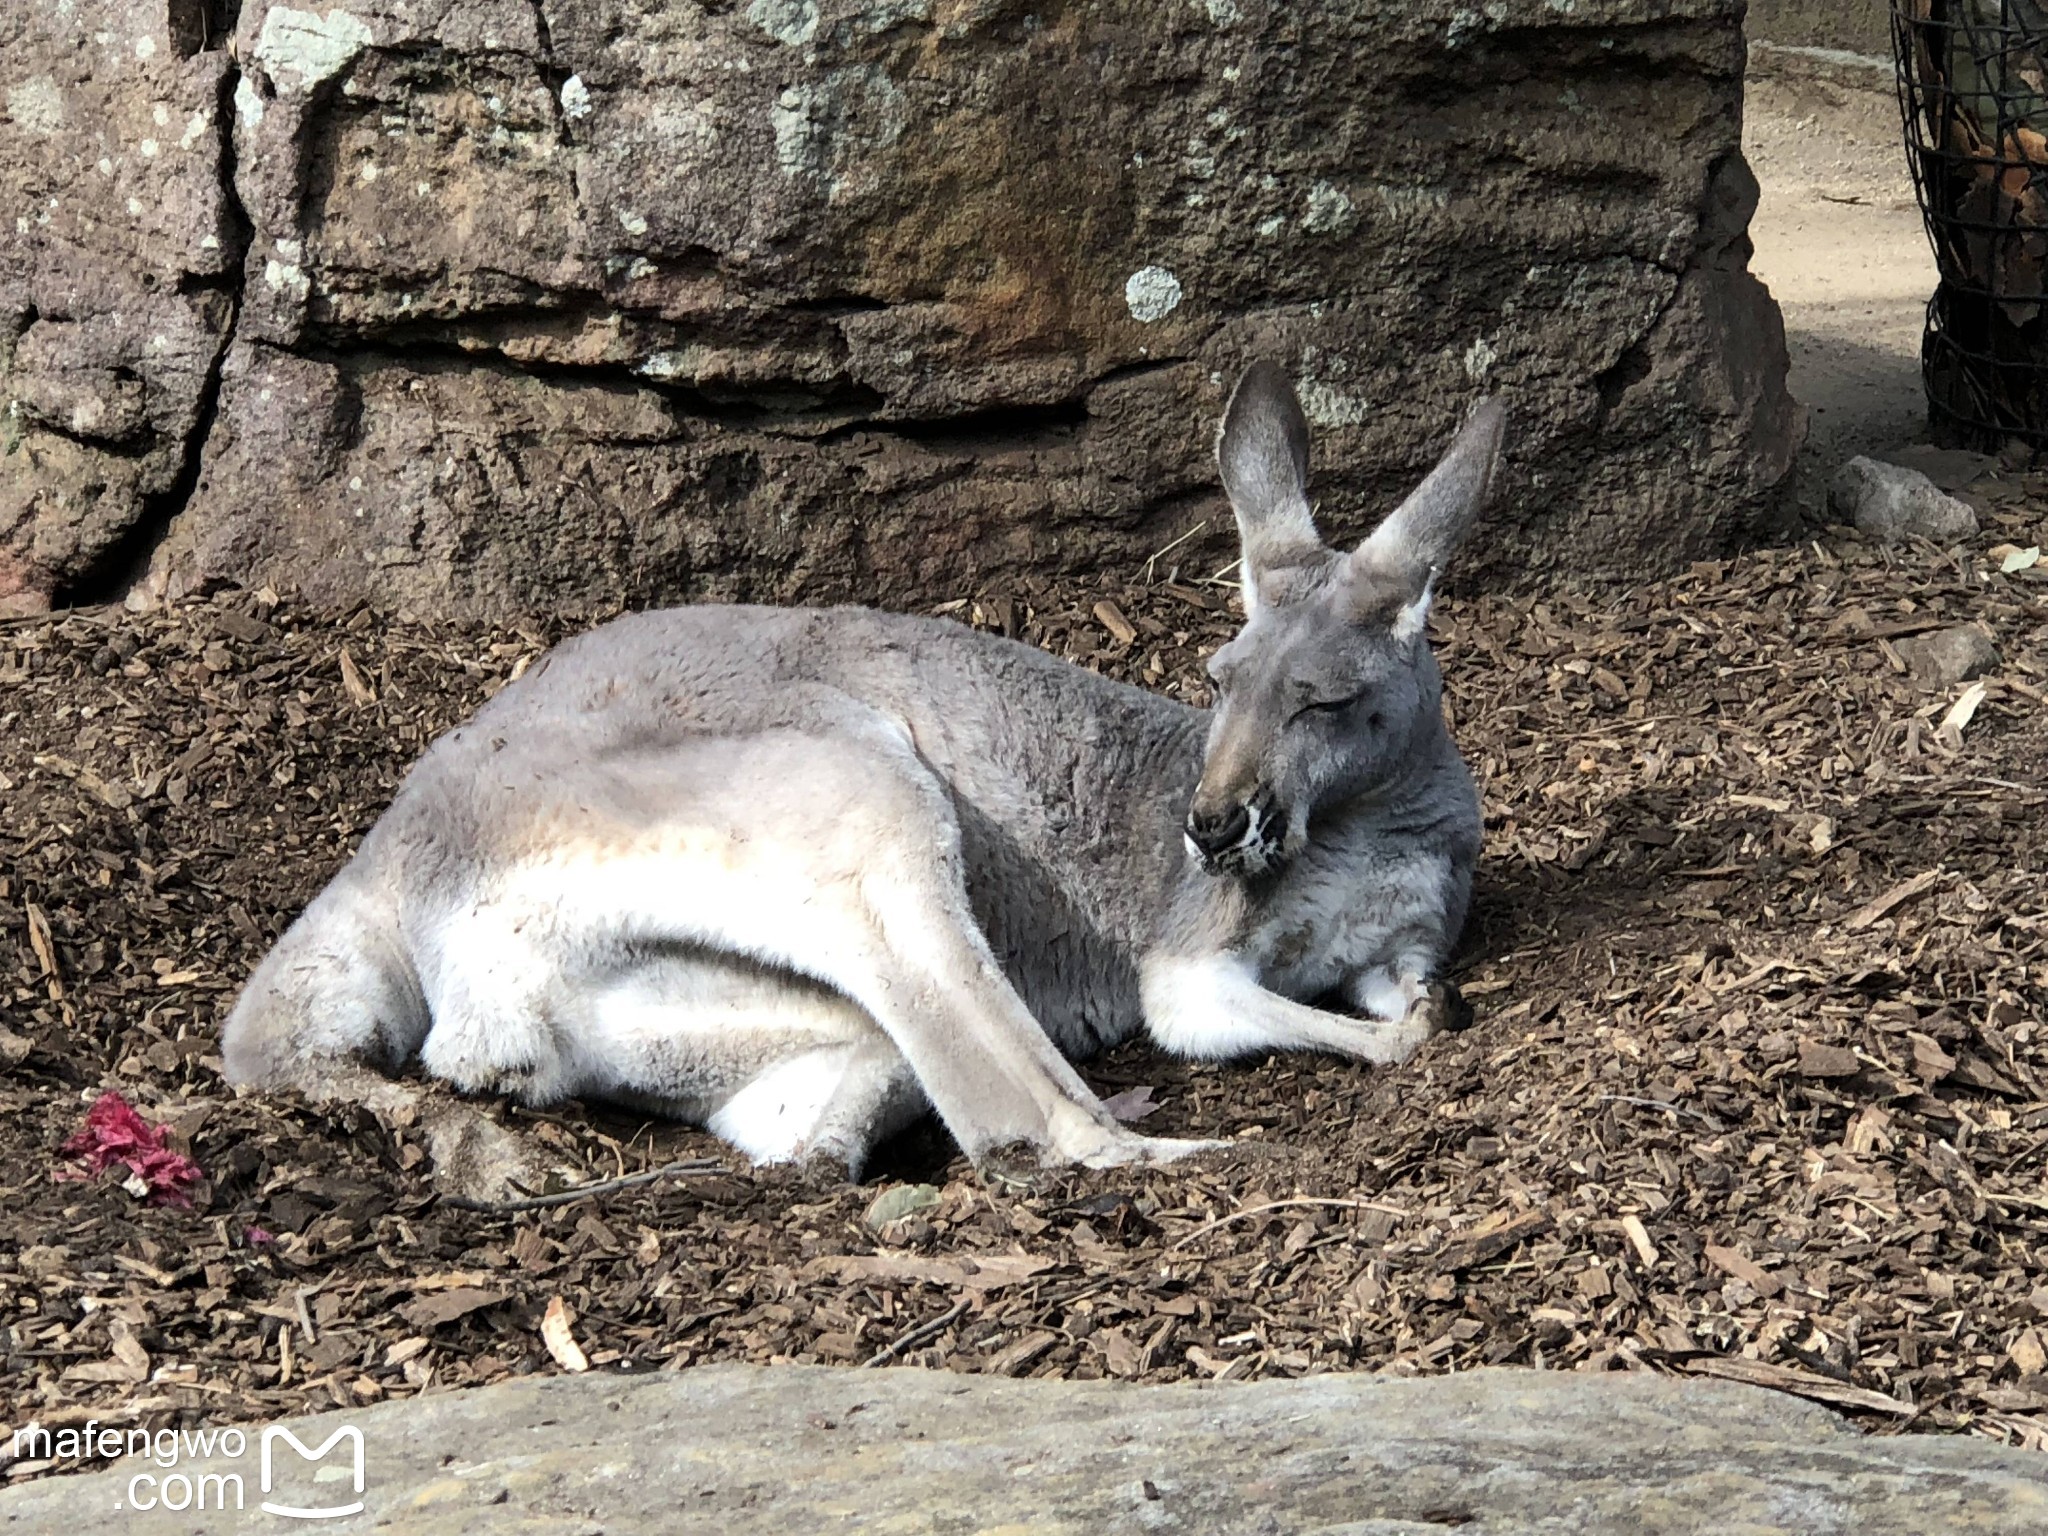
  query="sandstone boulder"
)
[
  {"x": 587, "y": 302},
  {"x": 753, "y": 1451}
]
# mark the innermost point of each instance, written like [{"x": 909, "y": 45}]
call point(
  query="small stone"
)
[
  {"x": 1949, "y": 656},
  {"x": 1780, "y": 1045},
  {"x": 1890, "y": 502},
  {"x": 1817, "y": 1060},
  {"x": 902, "y": 1200}
]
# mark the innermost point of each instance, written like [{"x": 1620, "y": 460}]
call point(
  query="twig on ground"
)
[
  {"x": 1281, "y": 1205},
  {"x": 918, "y": 1335},
  {"x": 1158, "y": 554},
  {"x": 1676, "y": 1109},
  {"x": 583, "y": 1191}
]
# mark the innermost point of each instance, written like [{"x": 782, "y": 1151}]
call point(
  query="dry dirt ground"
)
[
  {"x": 1757, "y": 1087},
  {"x": 1840, "y": 244}
]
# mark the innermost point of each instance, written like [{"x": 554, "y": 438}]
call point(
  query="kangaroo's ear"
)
[
  {"x": 1262, "y": 451},
  {"x": 1392, "y": 574}
]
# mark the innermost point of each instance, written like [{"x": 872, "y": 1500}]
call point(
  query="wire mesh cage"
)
[{"x": 1973, "y": 90}]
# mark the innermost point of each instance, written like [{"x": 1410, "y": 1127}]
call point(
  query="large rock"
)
[
  {"x": 746, "y": 1451},
  {"x": 120, "y": 253},
  {"x": 587, "y": 301}
]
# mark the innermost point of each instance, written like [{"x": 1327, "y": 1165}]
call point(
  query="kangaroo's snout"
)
[
  {"x": 1214, "y": 831},
  {"x": 1234, "y": 836}
]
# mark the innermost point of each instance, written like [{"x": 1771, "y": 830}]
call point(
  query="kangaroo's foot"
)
[
  {"x": 1151, "y": 1151},
  {"x": 1092, "y": 1141},
  {"x": 473, "y": 1156}
]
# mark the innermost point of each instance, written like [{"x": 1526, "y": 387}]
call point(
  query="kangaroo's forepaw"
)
[{"x": 1441, "y": 1008}]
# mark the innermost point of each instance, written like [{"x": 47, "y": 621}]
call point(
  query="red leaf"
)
[{"x": 114, "y": 1133}]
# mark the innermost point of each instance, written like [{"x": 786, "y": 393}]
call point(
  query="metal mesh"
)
[{"x": 1973, "y": 90}]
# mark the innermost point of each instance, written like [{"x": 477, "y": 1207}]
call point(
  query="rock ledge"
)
[{"x": 747, "y": 1451}]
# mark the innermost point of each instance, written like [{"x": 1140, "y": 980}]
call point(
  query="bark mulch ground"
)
[{"x": 1757, "y": 1085}]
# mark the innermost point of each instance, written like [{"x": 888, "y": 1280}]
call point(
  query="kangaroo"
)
[{"x": 797, "y": 875}]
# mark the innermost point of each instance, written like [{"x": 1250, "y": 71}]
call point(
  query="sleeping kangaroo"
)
[{"x": 797, "y": 874}]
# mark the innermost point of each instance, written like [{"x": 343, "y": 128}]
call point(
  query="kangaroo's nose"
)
[{"x": 1214, "y": 831}]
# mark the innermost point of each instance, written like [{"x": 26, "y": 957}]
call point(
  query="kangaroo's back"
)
[{"x": 1067, "y": 787}]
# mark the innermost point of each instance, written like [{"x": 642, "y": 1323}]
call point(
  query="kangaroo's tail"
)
[{"x": 340, "y": 986}]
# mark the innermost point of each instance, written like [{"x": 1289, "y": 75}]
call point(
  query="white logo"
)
[{"x": 347, "y": 1432}]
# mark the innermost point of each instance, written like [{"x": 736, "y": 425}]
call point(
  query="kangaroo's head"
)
[{"x": 1329, "y": 691}]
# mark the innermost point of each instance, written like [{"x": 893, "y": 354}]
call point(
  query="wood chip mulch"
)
[{"x": 1757, "y": 1085}]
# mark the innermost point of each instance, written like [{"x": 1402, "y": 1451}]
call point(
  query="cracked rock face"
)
[
  {"x": 119, "y": 257},
  {"x": 576, "y": 303}
]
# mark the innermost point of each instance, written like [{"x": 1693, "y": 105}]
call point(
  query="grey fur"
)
[{"x": 796, "y": 873}]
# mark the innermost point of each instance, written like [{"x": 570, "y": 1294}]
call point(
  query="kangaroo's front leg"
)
[
  {"x": 1212, "y": 1007},
  {"x": 1404, "y": 994}
]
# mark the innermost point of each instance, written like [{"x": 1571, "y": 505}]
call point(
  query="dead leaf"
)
[
  {"x": 1132, "y": 1105},
  {"x": 899, "y": 1201},
  {"x": 561, "y": 1343},
  {"x": 1873, "y": 912},
  {"x": 431, "y": 1312},
  {"x": 1783, "y": 1378}
]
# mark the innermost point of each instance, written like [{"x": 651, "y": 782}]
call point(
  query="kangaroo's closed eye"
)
[{"x": 1332, "y": 706}]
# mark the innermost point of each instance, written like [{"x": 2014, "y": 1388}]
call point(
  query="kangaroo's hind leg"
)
[
  {"x": 833, "y": 854},
  {"x": 838, "y": 1102},
  {"x": 783, "y": 1068}
]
